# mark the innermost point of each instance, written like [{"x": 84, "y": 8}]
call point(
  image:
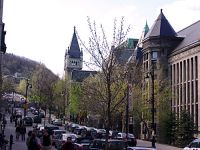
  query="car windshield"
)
[{"x": 195, "y": 145}]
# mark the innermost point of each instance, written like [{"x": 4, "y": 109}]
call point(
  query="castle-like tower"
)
[{"x": 73, "y": 57}]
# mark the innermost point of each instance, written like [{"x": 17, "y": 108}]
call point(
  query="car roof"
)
[
  {"x": 141, "y": 148},
  {"x": 59, "y": 130},
  {"x": 196, "y": 140}
]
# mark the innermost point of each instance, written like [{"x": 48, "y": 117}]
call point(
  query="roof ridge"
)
[{"x": 189, "y": 26}]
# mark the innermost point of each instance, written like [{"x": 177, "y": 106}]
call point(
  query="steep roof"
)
[
  {"x": 80, "y": 75},
  {"x": 74, "y": 50},
  {"x": 161, "y": 28},
  {"x": 191, "y": 36}
]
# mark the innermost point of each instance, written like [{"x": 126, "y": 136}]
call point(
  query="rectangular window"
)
[
  {"x": 188, "y": 69},
  {"x": 184, "y": 91},
  {"x": 188, "y": 92},
  {"x": 181, "y": 69},
  {"x": 181, "y": 92},
  {"x": 177, "y": 72},
  {"x": 192, "y": 69},
  {"x": 192, "y": 92},
  {"x": 196, "y": 117},
  {"x": 174, "y": 73},
  {"x": 177, "y": 95},
  {"x": 196, "y": 67},
  {"x": 154, "y": 55},
  {"x": 184, "y": 70},
  {"x": 196, "y": 89}
]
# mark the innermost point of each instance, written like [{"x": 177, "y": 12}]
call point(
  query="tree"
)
[
  {"x": 43, "y": 81},
  {"x": 8, "y": 85},
  {"x": 109, "y": 82},
  {"x": 185, "y": 127},
  {"x": 60, "y": 95}
]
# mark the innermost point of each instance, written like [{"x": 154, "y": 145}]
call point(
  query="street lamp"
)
[{"x": 153, "y": 126}]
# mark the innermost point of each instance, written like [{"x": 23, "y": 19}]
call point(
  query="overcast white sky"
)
[{"x": 41, "y": 30}]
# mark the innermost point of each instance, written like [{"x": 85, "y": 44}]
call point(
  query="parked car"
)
[
  {"x": 82, "y": 143},
  {"x": 50, "y": 128},
  {"x": 78, "y": 130},
  {"x": 37, "y": 119},
  {"x": 113, "y": 144},
  {"x": 28, "y": 121},
  {"x": 131, "y": 138},
  {"x": 140, "y": 148},
  {"x": 195, "y": 144},
  {"x": 63, "y": 138},
  {"x": 56, "y": 135},
  {"x": 57, "y": 122}
]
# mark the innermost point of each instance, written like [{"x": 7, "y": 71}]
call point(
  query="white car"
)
[
  {"x": 195, "y": 144},
  {"x": 63, "y": 138},
  {"x": 57, "y": 122}
]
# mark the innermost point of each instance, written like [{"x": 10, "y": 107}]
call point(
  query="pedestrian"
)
[
  {"x": 28, "y": 139},
  {"x": 68, "y": 144},
  {"x": 34, "y": 143},
  {"x": 15, "y": 121},
  {"x": 11, "y": 142},
  {"x": 23, "y": 132},
  {"x": 17, "y": 131},
  {"x": 46, "y": 141}
]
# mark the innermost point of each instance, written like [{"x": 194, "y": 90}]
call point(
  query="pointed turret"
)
[
  {"x": 74, "y": 50},
  {"x": 161, "y": 28},
  {"x": 144, "y": 32},
  {"x": 73, "y": 56}
]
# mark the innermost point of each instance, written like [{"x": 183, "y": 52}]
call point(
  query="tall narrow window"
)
[
  {"x": 177, "y": 72},
  {"x": 188, "y": 69},
  {"x": 196, "y": 116},
  {"x": 196, "y": 89},
  {"x": 188, "y": 92},
  {"x": 181, "y": 69},
  {"x": 192, "y": 92},
  {"x": 177, "y": 94},
  {"x": 174, "y": 73},
  {"x": 196, "y": 67},
  {"x": 184, "y": 70},
  {"x": 192, "y": 69}
]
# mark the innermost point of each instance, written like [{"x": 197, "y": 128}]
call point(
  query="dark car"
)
[
  {"x": 50, "y": 128},
  {"x": 37, "y": 119},
  {"x": 82, "y": 143},
  {"x": 113, "y": 144},
  {"x": 131, "y": 138},
  {"x": 28, "y": 121}
]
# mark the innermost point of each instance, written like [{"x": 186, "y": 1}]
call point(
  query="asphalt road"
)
[{"x": 10, "y": 129}]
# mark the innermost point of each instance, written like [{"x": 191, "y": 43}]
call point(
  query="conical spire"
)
[
  {"x": 74, "y": 50},
  {"x": 144, "y": 32},
  {"x": 161, "y": 28}
]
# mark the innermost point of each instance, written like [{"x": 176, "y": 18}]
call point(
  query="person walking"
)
[
  {"x": 17, "y": 131},
  {"x": 68, "y": 144},
  {"x": 28, "y": 139},
  {"x": 46, "y": 141},
  {"x": 33, "y": 143},
  {"x": 23, "y": 132},
  {"x": 11, "y": 142}
]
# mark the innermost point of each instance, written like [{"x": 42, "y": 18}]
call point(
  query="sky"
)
[{"x": 42, "y": 30}]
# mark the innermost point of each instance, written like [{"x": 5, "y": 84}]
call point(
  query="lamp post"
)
[
  {"x": 28, "y": 85},
  {"x": 153, "y": 127}
]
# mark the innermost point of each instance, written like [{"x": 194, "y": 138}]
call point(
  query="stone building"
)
[{"x": 175, "y": 57}]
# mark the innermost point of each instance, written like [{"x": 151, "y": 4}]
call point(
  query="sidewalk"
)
[{"x": 158, "y": 146}]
